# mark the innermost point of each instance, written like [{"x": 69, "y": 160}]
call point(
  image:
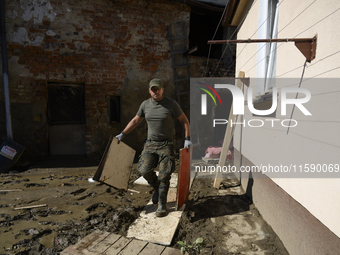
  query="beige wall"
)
[{"x": 316, "y": 139}]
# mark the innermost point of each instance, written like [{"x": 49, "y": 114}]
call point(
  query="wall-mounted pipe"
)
[{"x": 5, "y": 70}]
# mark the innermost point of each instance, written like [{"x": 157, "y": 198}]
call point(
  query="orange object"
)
[{"x": 183, "y": 185}]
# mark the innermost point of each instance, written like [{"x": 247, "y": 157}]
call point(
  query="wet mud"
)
[
  {"x": 227, "y": 221},
  {"x": 71, "y": 208}
]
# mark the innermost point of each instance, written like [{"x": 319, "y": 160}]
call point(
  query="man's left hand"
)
[{"x": 187, "y": 143}]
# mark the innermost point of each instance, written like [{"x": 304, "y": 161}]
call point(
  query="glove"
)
[
  {"x": 187, "y": 143},
  {"x": 120, "y": 137}
]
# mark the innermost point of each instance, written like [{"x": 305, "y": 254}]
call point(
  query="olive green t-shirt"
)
[{"x": 160, "y": 116}]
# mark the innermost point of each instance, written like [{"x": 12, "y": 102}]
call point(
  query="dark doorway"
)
[
  {"x": 202, "y": 28},
  {"x": 66, "y": 114}
]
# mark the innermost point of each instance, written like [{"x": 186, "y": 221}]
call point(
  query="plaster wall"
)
[{"x": 315, "y": 140}]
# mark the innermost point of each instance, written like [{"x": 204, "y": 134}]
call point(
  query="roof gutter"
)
[{"x": 5, "y": 70}]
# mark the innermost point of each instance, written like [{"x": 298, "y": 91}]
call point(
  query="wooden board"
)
[
  {"x": 134, "y": 247},
  {"x": 171, "y": 251},
  {"x": 150, "y": 228},
  {"x": 118, "y": 246},
  {"x": 152, "y": 249},
  {"x": 183, "y": 186},
  {"x": 105, "y": 243},
  {"x": 86, "y": 243},
  {"x": 102, "y": 242},
  {"x": 116, "y": 164},
  {"x": 228, "y": 135}
]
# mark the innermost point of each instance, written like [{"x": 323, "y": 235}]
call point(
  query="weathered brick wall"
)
[{"x": 112, "y": 47}]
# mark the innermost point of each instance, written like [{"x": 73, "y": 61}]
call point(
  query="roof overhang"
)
[{"x": 236, "y": 10}]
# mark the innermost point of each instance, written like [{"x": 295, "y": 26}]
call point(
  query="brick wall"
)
[{"x": 110, "y": 47}]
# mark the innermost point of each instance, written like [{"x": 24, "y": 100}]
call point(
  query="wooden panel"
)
[
  {"x": 115, "y": 166},
  {"x": 118, "y": 246},
  {"x": 171, "y": 251},
  {"x": 183, "y": 177},
  {"x": 153, "y": 249},
  {"x": 134, "y": 247},
  {"x": 150, "y": 228},
  {"x": 105, "y": 243}
]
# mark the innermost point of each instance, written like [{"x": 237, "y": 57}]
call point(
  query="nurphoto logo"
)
[{"x": 238, "y": 103}]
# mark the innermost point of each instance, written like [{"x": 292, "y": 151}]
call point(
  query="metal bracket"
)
[
  {"x": 307, "y": 46},
  {"x": 308, "y": 49}
]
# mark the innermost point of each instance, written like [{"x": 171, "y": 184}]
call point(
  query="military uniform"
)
[{"x": 160, "y": 117}]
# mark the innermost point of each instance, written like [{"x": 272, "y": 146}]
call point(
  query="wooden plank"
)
[
  {"x": 105, "y": 243},
  {"x": 118, "y": 246},
  {"x": 132, "y": 190},
  {"x": 29, "y": 207},
  {"x": 171, "y": 251},
  {"x": 87, "y": 242},
  {"x": 153, "y": 249},
  {"x": 134, "y": 247},
  {"x": 91, "y": 240},
  {"x": 71, "y": 250},
  {"x": 150, "y": 228},
  {"x": 183, "y": 186},
  {"x": 11, "y": 190},
  {"x": 227, "y": 137},
  {"x": 116, "y": 167}
]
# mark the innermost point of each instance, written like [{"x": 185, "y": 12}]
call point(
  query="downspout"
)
[{"x": 5, "y": 70}]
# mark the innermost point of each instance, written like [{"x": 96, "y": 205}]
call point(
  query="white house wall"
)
[{"x": 316, "y": 138}]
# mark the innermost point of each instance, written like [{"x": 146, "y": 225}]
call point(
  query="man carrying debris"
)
[{"x": 160, "y": 113}]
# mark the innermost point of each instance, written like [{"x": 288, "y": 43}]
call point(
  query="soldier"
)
[{"x": 160, "y": 113}]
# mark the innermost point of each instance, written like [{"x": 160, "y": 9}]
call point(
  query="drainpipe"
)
[{"x": 5, "y": 70}]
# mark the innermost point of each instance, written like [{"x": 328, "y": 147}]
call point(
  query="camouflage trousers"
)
[{"x": 155, "y": 153}]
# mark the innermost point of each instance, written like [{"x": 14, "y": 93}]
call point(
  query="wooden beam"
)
[
  {"x": 232, "y": 5},
  {"x": 240, "y": 12},
  {"x": 228, "y": 136}
]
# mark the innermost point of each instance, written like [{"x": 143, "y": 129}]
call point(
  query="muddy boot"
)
[
  {"x": 163, "y": 193},
  {"x": 155, "y": 195}
]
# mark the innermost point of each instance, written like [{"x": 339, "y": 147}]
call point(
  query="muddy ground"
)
[{"x": 72, "y": 207}]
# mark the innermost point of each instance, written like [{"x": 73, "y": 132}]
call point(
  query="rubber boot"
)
[
  {"x": 155, "y": 195},
  {"x": 163, "y": 193}
]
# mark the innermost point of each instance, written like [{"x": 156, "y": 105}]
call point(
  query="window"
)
[
  {"x": 115, "y": 109},
  {"x": 66, "y": 104}
]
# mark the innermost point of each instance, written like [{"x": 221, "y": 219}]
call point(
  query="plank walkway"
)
[
  {"x": 101, "y": 242},
  {"x": 148, "y": 227}
]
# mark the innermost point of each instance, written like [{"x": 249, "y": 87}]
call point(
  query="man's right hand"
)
[{"x": 120, "y": 137}]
